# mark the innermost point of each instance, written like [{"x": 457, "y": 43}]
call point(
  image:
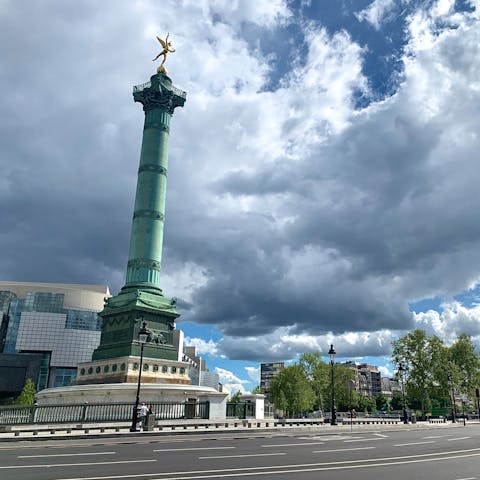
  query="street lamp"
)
[
  {"x": 331, "y": 354},
  {"x": 351, "y": 387},
  {"x": 454, "y": 407},
  {"x": 401, "y": 371},
  {"x": 143, "y": 338}
]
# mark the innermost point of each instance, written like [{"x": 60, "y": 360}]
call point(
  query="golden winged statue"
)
[{"x": 166, "y": 45}]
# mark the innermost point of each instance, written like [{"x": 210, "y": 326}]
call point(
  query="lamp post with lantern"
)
[
  {"x": 331, "y": 354},
  {"x": 401, "y": 371},
  {"x": 143, "y": 337}
]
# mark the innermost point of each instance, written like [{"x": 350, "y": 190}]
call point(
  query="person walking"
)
[{"x": 142, "y": 416}]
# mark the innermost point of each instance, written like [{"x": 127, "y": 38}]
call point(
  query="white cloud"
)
[
  {"x": 254, "y": 374},
  {"x": 386, "y": 371},
  {"x": 231, "y": 381},
  {"x": 451, "y": 321},
  {"x": 203, "y": 347},
  {"x": 262, "y": 12},
  {"x": 376, "y": 13},
  {"x": 284, "y": 345}
]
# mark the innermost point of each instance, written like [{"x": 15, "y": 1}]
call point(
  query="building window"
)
[
  {"x": 123, "y": 366},
  {"x": 164, "y": 369},
  {"x": 106, "y": 368},
  {"x": 155, "y": 368},
  {"x": 135, "y": 366},
  {"x": 64, "y": 376},
  {"x": 83, "y": 320},
  {"x": 114, "y": 367},
  {"x": 174, "y": 369},
  {"x": 82, "y": 371},
  {"x": 182, "y": 370},
  {"x": 145, "y": 367}
]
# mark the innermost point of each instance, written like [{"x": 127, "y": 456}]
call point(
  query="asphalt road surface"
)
[{"x": 416, "y": 454}]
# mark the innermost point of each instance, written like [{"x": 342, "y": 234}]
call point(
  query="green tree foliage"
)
[
  {"x": 319, "y": 374},
  {"x": 291, "y": 391},
  {"x": 235, "y": 398},
  {"x": 381, "y": 402},
  {"x": 416, "y": 351},
  {"x": 397, "y": 401},
  {"x": 366, "y": 404},
  {"x": 27, "y": 395},
  {"x": 433, "y": 369},
  {"x": 467, "y": 363},
  {"x": 257, "y": 389}
]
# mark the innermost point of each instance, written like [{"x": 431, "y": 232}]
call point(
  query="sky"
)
[{"x": 323, "y": 174}]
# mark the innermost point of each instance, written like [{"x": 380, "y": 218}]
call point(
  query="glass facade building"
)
[{"x": 58, "y": 321}]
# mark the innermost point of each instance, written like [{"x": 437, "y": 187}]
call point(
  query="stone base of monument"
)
[
  {"x": 126, "y": 393},
  {"x": 126, "y": 369}
]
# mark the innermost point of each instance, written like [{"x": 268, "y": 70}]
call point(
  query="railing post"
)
[
  {"x": 84, "y": 412},
  {"x": 33, "y": 409}
]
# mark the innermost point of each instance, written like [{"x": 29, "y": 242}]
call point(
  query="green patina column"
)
[
  {"x": 159, "y": 98},
  {"x": 142, "y": 297}
]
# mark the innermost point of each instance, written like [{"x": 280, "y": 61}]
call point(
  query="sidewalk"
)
[{"x": 111, "y": 430}]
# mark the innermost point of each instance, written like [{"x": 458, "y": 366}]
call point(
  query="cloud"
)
[
  {"x": 376, "y": 13},
  {"x": 386, "y": 371},
  {"x": 283, "y": 345},
  {"x": 231, "y": 381},
  {"x": 451, "y": 321},
  {"x": 294, "y": 216},
  {"x": 254, "y": 374},
  {"x": 202, "y": 346}
]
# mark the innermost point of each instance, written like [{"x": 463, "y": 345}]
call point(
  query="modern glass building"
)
[
  {"x": 59, "y": 323},
  {"x": 267, "y": 372}
]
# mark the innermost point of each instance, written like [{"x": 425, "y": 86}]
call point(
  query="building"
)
[
  {"x": 390, "y": 386},
  {"x": 46, "y": 330},
  {"x": 267, "y": 372},
  {"x": 198, "y": 371},
  {"x": 368, "y": 379}
]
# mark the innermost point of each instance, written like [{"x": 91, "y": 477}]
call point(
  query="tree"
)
[
  {"x": 381, "y": 402},
  {"x": 366, "y": 404},
  {"x": 291, "y": 391},
  {"x": 27, "y": 395},
  {"x": 319, "y": 374},
  {"x": 257, "y": 389},
  {"x": 423, "y": 357},
  {"x": 397, "y": 401},
  {"x": 235, "y": 398},
  {"x": 463, "y": 356}
]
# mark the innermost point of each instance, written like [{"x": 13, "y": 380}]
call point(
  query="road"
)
[{"x": 416, "y": 454}]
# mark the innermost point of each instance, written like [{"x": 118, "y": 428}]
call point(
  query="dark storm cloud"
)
[{"x": 294, "y": 211}]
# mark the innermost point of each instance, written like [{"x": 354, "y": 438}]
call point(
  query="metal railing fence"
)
[
  {"x": 240, "y": 410},
  {"x": 92, "y": 412}
]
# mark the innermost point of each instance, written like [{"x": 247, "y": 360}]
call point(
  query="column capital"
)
[{"x": 160, "y": 93}]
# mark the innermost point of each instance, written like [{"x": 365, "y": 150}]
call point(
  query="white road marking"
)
[
  {"x": 412, "y": 443},
  {"x": 343, "y": 450},
  {"x": 362, "y": 440},
  {"x": 243, "y": 456},
  {"x": 436, "y": 436},
  {"x": 459, "y": 438},
  {"x": 329, "y": 438},
  {"x": 292, "y": 444},
  {"x": 66, "y": 454},
  {"x": 295, "y": 468},
  {"x": 469, "y": 478},
  {"x": 5, "y": 467},
  {"x": 192, "y": 448},
  {"x": 381, "y": 435}
]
